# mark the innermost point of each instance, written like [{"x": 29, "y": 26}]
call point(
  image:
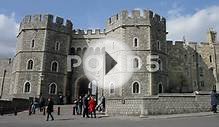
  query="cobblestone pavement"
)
[{"x": 66, "y": 119}]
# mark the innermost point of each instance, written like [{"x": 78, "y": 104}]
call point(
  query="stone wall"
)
[
  {"x": 161, "y": 104},
  {"x": 5, "y": 77},
  {"x": 16, "y": 104}
]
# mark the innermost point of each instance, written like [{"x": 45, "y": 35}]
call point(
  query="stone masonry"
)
[{"x": 45, "y": 42}]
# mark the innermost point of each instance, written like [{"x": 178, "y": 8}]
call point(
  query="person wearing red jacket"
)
[{"x": 92, "y": 106}]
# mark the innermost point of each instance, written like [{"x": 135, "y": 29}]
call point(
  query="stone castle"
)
[{"x": 44, "y": 43}]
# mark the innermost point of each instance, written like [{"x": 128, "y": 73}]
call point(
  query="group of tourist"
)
[
  {"x": 41, "y": 104},
  {"x": 87, "y": 106}
]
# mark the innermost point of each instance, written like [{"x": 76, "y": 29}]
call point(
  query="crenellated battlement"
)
[
  {"x": 182, "y": 43},
  {"x": 89, "y": 32},
  {"x": 135, "y": 17},
  {"x": 46, "y": 21}
]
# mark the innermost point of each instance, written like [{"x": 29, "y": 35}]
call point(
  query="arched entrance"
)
[
  {"x": 82, "y": 86},
  {"x": 160, "y": 88}
]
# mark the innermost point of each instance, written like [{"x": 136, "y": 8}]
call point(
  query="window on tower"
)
[
  {"x": 160, "y": 65},
  {"x": 135, "y": 87},
  {"x": 112, "y": 88},
  {"x": 32, "y": 44},
  {"x": 30, "y": 65},
  {"x": 160, "y": 90},
  {"x": 54, "y": 66},
  {"x": 135, "y": 42},
  {"x": 158, "y": 45},
  {"x": 52, "y": 88},
  {"x": 57, "y": 46},
  {"x": 27, "y": 87},
  {"x": 135, "y": 63}
]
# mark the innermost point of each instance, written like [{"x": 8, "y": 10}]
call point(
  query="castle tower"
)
[
  {"x": 212, "y": 36},
  {"x": 41, "y": 56},
  {"x": 212, "y": 40},
  {"x": 145, "y": 34}
]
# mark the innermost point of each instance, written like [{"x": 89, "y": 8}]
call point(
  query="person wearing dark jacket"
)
[
  {"x": 50, "y": 109},
  {"x": 214, "y": 101},
  {"x": 85, "y": 106}
]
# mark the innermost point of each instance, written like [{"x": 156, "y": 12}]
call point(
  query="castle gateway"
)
[{"x": 44, "y": 44}]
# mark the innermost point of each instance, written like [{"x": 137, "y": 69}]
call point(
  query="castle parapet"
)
[
  {"x": 46, "y": 22},
  {"x": 179, "y": 43},
  {"x": 125, "y": 18},
  {"x": 169, "y": 42},
  {"x": 88, "y": 32}
]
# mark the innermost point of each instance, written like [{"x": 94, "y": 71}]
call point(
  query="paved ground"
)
[{"x": 66, "y": 119}]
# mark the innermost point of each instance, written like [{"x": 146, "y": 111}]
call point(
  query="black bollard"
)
[
  {"x": 44, "y": 111},
  {"x": 58, "y": 110},
  {"x": 15, "y": 111},
  {"x": 73, "y": 111}
]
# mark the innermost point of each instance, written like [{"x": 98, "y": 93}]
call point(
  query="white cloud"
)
[
  {"x": 8, "y": 29},
  {"x": 194, "y": 27}
]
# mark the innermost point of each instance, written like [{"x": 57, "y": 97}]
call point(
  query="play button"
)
[{"x": 108, "y": 62}]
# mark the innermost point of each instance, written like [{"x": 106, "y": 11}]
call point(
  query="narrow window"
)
[
  {"x": 117, "y": 17},
  {"x": 27, "y": 87},
  {"x": 135, "y": 63},
  {"x": 84, "y": 50},
  {"x": 72, "y": 51},
  {"x": 57, "y": 46},
  {"x": 160, "y": 65},
  {"x": 160, "y": 88},
  {"x": 30, "y": 65},
  {"x": 78, "y": 51},
  {"x": 135, "y": 87},
  {"x": 32, "y": 44},
  {"x": 158, "y": 45},
  {"x": 54, "y": 66},
  {"x": 112, "y": 88},
  {"x": 135, "y": 42},
  {"x": 110, "y": 21},
  {"x": 52, "y": 88},
  {"x": 210, "y": 58}
]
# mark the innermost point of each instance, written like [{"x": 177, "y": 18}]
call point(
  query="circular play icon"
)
[{"x": 108, "y": 62}]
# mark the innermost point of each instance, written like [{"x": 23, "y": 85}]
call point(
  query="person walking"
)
[
  {"x": 34, "y": 105},
  {"x": 50, "y": 109},
  {"x": 42, "y": 103},
  {"x": 214, "y": 101},
  {"x": 79, "y": 105},
  {"x": 75, "y": 107},
  {"x": 85, "y": 106},
  {"x": 92, "y": 106},
  {"x": 103, "y": 101}
]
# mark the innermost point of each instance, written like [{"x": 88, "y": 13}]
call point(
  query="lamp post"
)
[
  {"x": 3, "y": 81},
  {"x": 41, "y": 83}
]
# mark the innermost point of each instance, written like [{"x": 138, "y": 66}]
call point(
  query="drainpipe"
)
[
  {"x": 215, "y": 62},
  {"x": 3, "y": 81},
  {"x": 197, "y": 67}
]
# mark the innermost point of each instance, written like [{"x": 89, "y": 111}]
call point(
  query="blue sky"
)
[
  {"x": 93, "y": 13},
  {"x": 189, "y": 18}
]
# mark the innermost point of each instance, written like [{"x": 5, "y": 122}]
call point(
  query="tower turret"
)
[
  {"x": 212, "y": 36},
  {"x": 41, "y": 56},
  {"x": 145, "y": 33}
]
